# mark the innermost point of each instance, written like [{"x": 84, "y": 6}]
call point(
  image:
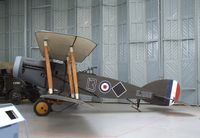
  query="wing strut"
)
[
  {"x": 69, "y": 72},
  {"x": 72, "y": 74},
  {"x": 48, "y": 68}
]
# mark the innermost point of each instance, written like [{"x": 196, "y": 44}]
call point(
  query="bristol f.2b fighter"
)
[{"x": 58, "y": 76}]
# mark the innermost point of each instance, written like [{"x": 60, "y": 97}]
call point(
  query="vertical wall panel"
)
[
  {"x": 171, "y": 45},
  {"x": 137, "y": 42},
  {"x": 179, "y": 46},
  {"x": 96, "y": 35},
  {"x": 137, "y": 64},
  {"x": 38, "y": 21},
  {"x": 16, "y": 28},
  {"x": 197, "y": 14},
  {"x": 2, "y": 31},
  {"x": 188, "y": 53},
  {"x": 60, "y": 15},
  {"x": 71, "y": 17},
  {"x": 84, "y": 18},
  {"x": 84, "y": 27},
  {"x": 109, "y": 46},
  {"x": 171, "y": 60},
  {"x": 152, "y": 36},
  {"x": 170, "y": 10},
  {"x": 123, "y": 47}
]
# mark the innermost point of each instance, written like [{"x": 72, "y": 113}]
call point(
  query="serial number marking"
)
[{"x": 144, "y": 94}]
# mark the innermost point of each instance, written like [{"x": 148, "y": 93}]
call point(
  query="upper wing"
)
[{"x": 59, "y": 45}]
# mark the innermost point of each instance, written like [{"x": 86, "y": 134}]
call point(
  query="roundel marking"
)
[{"x": 105, "y": 86}]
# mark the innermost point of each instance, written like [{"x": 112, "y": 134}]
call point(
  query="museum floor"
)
[{"x": 113, "y": 121}]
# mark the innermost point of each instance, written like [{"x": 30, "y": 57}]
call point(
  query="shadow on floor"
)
[{"x": 170, "y": 112}]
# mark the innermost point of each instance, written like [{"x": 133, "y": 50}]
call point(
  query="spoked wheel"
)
[{"x": 42, "y": 107}]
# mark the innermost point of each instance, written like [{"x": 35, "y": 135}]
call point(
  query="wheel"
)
[
  {"x": 15, "y": 96},
  {"x": 42, "y": 107}
]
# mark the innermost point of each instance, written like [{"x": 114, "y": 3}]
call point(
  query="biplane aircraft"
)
[{"x": 58, "y": 76}]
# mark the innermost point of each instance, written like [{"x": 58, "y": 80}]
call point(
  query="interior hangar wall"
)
[
  {"x": 138, "y": 40},
  {"x": 11, "y": 29}
]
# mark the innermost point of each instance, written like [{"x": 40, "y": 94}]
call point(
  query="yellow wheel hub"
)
[{"x": 42, "y": 108}]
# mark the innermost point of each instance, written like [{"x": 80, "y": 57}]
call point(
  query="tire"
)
[
  {"x": 42, "y": 107},
  {"x": 15, "y": 96}
]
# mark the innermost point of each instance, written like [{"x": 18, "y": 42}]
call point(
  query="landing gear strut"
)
[{"x": 135, "y": 105}]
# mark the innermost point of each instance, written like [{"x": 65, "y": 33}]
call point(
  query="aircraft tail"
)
[{"x": 164, "y": 92}]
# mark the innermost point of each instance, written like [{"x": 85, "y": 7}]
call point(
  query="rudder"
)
[{"x": 165, "y": 92}]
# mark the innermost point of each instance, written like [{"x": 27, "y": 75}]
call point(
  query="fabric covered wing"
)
[{"x": 59, "y": 45}]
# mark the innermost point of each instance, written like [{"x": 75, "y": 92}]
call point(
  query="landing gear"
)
[
  {"x": 42, "y": 107},
  {"x": 135, "y": 105},
  {"x": 138, "y": 103}
]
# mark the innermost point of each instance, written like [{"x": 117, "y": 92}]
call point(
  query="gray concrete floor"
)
[{"x": 113, "y": 121}]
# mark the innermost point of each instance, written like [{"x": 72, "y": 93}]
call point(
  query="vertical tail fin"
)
[
  {"x": 173, "y": 92},
  {"x": 165, "y": 92}
]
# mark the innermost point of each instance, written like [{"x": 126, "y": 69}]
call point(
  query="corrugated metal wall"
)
[
  {"x": 138, "y": 40},
  {"x": 11, "y": 29},
  {"x": 122, "y": 38},
  {"x": 197, "y": 37},
  {"x": 84, "y": 27},
  {"x": 39, "y": 18},
  {"x": 152, "y": 40},
  {"x": 180, "y": 51},
  {"x": 96, "y": 23},
  {"x": 109, "y": 38},
  {"x": 3, "y": 31}
]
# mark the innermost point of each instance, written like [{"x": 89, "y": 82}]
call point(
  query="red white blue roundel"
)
[{"x": 105, "y": 86}]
